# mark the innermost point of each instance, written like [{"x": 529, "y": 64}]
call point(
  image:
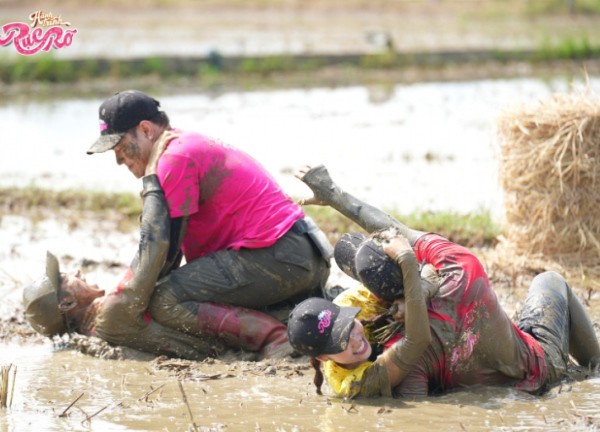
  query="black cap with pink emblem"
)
[
  {"x": 121, "y": 112},
  {"x": 317, "y": 326}
]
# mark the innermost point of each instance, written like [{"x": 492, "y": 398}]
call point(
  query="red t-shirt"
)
[{"x": 474, "y": 342}]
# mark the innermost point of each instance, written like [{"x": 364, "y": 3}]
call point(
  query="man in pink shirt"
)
[{"x": 245, "y": 242}]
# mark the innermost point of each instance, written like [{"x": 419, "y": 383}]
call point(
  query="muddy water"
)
[
  {"x": 435, "y": 137},
  {"x": 49, "y": 381}
]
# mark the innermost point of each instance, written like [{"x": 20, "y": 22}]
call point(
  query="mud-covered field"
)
[{"x": 85, "y": 384}]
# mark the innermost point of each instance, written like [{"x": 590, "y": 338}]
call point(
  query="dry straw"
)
[
  {"x": 550, "y": 173},
  {"x": 6, "y": 389}
]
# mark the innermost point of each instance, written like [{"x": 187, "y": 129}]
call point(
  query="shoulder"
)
[{"x": 190, "y": 142}]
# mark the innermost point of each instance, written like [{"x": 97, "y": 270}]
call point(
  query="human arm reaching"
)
[
  {"x": 396, "y": 363},
  {"x": 327, "y": 192}
]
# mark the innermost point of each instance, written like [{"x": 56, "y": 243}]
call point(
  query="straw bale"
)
[{"x": 550, "y": 174}]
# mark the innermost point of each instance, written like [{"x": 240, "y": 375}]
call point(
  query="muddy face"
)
[{"x": 130, "y": 151}]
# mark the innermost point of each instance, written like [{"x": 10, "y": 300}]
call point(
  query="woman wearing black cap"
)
[
  {"x": 333, "y": 334},
  {"x": 473, "y": 341}
]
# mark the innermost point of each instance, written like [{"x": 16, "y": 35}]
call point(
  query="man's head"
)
[
  {"x": 56, "y": 299},
  {"x": 130, "y": 123}
]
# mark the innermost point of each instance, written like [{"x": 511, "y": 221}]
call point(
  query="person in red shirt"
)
[{"x": 473, "y": 341}]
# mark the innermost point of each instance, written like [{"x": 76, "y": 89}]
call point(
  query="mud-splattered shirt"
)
[
  {"x": 231, "y": 200},
  {"x": 474, "y": 341}
]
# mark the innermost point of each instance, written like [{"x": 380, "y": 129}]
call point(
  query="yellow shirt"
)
[{"x": 347, "y": 382}]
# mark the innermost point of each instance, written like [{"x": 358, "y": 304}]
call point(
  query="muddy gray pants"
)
[
  {"x": 555, "y": 317},
  {"x": 292, "y": 269}
]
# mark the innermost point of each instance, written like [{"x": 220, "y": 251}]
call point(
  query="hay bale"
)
[{"x": 550, "y": 173}]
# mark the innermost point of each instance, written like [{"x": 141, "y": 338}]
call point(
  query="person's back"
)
[
  {"x": 480, "y": 345},
  {"x": 231, "y": 201}
]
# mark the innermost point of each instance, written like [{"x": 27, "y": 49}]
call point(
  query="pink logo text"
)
[
  {"x": 324, "y": 320},
  {"x": 44, "y": 34}
]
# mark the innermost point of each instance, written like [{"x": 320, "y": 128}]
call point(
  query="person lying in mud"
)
[
  {"x": 161, "y": 320},
  {"x": 455, "y": 332},
  {"x": 245, "y": 241}
]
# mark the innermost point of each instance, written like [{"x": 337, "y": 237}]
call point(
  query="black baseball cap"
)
[
  {"x": 317, "y": 326},
  {"x": 121, "y": 112},
  {"x": 378, "y": 272},
  {"x": 344, "y": 252}
]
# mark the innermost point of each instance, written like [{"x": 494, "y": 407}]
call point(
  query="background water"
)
[{"x": 427, "y": 146}]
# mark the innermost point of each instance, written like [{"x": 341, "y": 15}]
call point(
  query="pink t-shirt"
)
[{"x": 231, "y": 200}]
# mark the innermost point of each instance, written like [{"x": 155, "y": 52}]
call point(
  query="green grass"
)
[
  {"x": 19, "y": 200},
  {"x": 477, "y": 229},
  {"x": 216, "y": 69}
]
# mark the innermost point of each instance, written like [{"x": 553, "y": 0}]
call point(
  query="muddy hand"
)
[
  {"x": 397, "y": 310},
  {"x": 319, "y": 181},
  {"x": 158, "y": 149},
  {"x": 395, "y": 245}
]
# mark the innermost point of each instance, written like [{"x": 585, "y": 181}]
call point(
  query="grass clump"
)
[
  {"x": 24, "y": 200},
  {"x": 472, "y": 230}
]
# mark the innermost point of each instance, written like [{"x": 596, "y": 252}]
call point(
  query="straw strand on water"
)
[
  {"x": 183, "y": 395},
  {"x": 5, "y": 385}
]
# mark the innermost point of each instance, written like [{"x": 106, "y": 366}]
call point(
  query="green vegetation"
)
[
  {"x": 567, "y": 48},
  {"x": 25, "y": 200},
  {"x": 538, "y": 7},
  {"x": 216, "y": 69},
  {"x": 476, "y": 229}
]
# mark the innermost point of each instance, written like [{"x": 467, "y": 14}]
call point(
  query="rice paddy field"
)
[{"x": 401, "y": 100}]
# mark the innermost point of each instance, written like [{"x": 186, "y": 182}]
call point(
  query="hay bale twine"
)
[{"x": 550, "y": 170}]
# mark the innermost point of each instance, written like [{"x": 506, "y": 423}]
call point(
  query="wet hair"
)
[
  {"x": 161, "y": 119},
  {"x": 318, "y": 378}
]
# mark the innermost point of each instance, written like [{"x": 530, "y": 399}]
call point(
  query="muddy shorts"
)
[
  {"x": 293, "y": 268},
  {"x": 545, "y": 316}
]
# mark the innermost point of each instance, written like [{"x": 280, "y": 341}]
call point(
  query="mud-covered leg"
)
[
  {"x": 553, "y": 314},
  {"x": 583, "y": 343},
  {"x": 368, "y": 217},
  {"x": 545, "y": 316},
  {"x": 213, "y": 323}
]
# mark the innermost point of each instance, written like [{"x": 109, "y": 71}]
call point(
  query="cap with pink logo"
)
[
  {"x": 317, "y": 326},
  {"x": 120, "y": 113}
]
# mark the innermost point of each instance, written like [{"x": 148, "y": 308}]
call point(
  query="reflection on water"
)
[{"x": 431, "y": 145}]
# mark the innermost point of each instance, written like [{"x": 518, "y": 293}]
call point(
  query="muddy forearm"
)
[
  {"x": 174, "y": 255},
  {"x": 406, "y": 352},
  {"x": 368, "y": 217},
  {"x": 153, "y": 248}
]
